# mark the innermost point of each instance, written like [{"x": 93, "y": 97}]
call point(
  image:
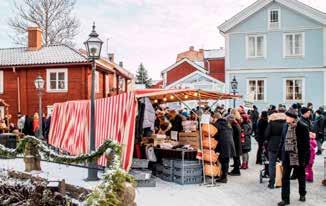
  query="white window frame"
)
[
  {"x": 269, "y": 19},
  {"x": 265, "y": 88},
  {"x": 2, "y": 112},
  {"x": 303, "y": 90},
  {"x": 107, "y": 83},
  {"x": 2, "y": 82},
  {"x": 97, "y": 81},
  {"x": 285, "y": 55},
  {"x": 264, "y": 45},
  {"x": 48, "y": 86}
]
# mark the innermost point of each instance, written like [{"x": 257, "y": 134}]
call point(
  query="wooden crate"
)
[{"x": 189, "y": 138}]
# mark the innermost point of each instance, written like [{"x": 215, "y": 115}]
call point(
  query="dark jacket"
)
[
  {"x": 254, "y": 116},
  {"x": 225, "y": 140},
  {"x": 318, "y": 125},
  {"x": 307, "y": 122},
  {"x": 262, "y": 125},
  {"x": 274, "y": 131},
  {"x": 302, "y": 133},
  {"x": 28, "y": 126},
  {"x": 176, "y": 123},
  {"x": 246, "y": 129},
  {"x": 236, "y": 138}
]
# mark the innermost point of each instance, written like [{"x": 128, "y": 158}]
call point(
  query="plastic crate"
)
[
  {"x": 186, "y": 164},
  {"x": 197, "y": 171},
  {"x": 167, "y": 170},
  {"x": 188, "y": 180},
  {"x": 141, "y": 174},
  {"x": 147, "y": 183},
  {"x": 158, "y": 168},
  {"x": 168, "y": 162},
  {"x": 139, "y": 163},
  {"x": 166, "y": 177}
]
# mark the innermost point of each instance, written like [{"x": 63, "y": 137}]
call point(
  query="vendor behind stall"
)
[{"x": 176, "y": 121}]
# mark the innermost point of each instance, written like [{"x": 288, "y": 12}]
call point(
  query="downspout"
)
[{"x": 18, "y": 89}]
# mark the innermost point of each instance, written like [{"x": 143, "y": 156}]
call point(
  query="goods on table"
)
[
  {"x": 209, "y": 143},
  {"x": 189, "y": 126},
  {"x": 213, "y": 170},
  {"x": 189, "y": 138},
  {"x": 210, "y": 156},
  {"x": 208, "y": 129}
]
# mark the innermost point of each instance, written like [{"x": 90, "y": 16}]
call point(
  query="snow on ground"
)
[
  {"x": 53, "y": 171},
  {"x": 243, "y": 190}
]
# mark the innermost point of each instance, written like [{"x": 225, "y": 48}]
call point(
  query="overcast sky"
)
[{"x": 150, "y": 31}]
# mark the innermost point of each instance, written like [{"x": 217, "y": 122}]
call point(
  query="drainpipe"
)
[{"x": 18, "y": 89}]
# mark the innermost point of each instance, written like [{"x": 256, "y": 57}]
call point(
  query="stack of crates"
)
[{"x": 182, "y": 172}]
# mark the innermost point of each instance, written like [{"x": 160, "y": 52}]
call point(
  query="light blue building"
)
[{"x": 276, "y": 49}]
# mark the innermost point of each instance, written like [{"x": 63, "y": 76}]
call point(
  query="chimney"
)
[
  {"x": 34, "y": 38},
  {"x": 121, "y": 64},
  {"x": 111, "y": 57},
  {"x": 191, "y": 48}
]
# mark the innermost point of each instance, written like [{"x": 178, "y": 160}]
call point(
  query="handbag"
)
[{"x": 278, "y": 175}]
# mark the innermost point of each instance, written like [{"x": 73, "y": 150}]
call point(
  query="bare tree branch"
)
[{"x": 54, "y": 17}]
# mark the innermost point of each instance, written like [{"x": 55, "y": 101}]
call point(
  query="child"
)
[{"x": 309, "y": 167}]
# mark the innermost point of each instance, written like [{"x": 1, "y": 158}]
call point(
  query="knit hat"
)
[
  {"x": 304, "y": 110},
  {"x": 292, "y": 113}
]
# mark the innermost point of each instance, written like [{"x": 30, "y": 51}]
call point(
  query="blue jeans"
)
[{"x": 272, "y": 167}]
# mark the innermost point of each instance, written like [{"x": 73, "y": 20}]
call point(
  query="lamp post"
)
[
  {"x": 234, "y": 86},
  {"x": 93, "y": 47},
  {"x": 39, "y": 85}
]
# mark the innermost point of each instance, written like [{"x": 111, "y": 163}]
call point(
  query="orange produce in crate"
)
[
  {"x": 209, "y": 143},
  {"x": 209, "y": 129},
  {"x": 210, "y": 155},
  {"x": 212, "y": 170}
]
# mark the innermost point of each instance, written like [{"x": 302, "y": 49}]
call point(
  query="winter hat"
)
[
  {"x": 304, "y": 110},
  {"x": 281, "y": 109},
  {"x": 264, "y": 114},
  {"x": 292, "y": 113},
  {"x": 254, "y": 107},
  {"x": 295, "y": 106}
]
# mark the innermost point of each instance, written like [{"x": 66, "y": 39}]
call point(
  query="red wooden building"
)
[{"x": 67, "y": 75}]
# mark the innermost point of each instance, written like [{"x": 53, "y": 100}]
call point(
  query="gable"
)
[
  {"x": 179, "y": 72},
  {"x": 254, "y": 17}
]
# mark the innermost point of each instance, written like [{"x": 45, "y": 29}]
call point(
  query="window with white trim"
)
[
  {"x": 97, "y": 82},
  {"x": 274, "y": 19},
  {"x": 294, "y": 89},
  {"x": 255, "y": 46},
  {"x": 294, "y": 44},
  {"x": 57, "y": 80},
  {"x": 256, "y": 89},
  {"x": 107, "y": 84},
  {"x": 1, "y": 82}
]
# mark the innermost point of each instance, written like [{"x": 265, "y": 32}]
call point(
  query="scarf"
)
[{"x": 291, "y": 145}]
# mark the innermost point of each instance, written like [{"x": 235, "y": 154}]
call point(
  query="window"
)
[
  {"x": 274, "y": 19},
  {"x": 97, "y": 82},
  {"x": 1, "y": 82},
  {"x": 256, "y": 46},
  {"x": 107, "y": 84},
  {"x": 294, "y": 44},
  {"x": 49, "y": 110},
  {"x": 2, "y": 112},
  {"x": 294, "y": 89},
  {"x": 256, "y": 89},
  {"x": 57, "y": 80}
]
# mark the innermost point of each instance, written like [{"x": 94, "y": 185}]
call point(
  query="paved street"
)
[{"x": 244, "y": 190}]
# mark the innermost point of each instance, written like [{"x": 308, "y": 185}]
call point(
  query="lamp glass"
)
[{"x": 39, "y": 82}]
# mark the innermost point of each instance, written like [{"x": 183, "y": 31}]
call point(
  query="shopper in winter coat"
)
[
  {"x": 254, "y": 116},
  {"x": 225, "y": 146},
  {"x": 245, "y": 140},
  {"x": 260, "y": 137},
  {"x": 309, "y": 167},
  {"x": 318, "y": 126},
  {"x": 235, "y": 120},
  {"x": 295, "y": 154},
  {"x": 28, "y": 126},
  {"x": 273, "y": 135}
]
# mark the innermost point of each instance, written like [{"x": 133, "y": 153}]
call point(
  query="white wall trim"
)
[
  {"x": 276, "y": 70},
  {"x": 227, "y": 51},
  {"x": 296, "y": 29},
  {"x": 2, "y": 82},
  {"x": 303, "y": 89},
  {"x": 48, "y": 89},
  {"x": 324, "y": 45},
  {"x": 182, "y": 61},
  {"x": 324, "y": 92}
]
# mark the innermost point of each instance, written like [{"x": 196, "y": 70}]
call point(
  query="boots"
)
[
  {"x": 247, "y": 165},
  {"x": 244, "y": 165}
]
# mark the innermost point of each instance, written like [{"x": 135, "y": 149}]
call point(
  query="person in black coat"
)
[
  {"x": 225, "y": 146},
  {"x": 28, "y": 126},
  {"x": 319, "y": 125},
  {"x": 273, "y": 135},
  {"x": 234, "y": 120},
  {"x": 254, "y": 116},
  {"x": 245, "y": 140},
  {"x": 260, "y": 137},
  {"x": 295, "y": 149}
]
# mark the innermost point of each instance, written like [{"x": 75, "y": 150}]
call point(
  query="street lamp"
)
[
  {"x": 234, "y": 86},
  {"x": 39, "y": 85},
  {"x": 93, "y": 47}
]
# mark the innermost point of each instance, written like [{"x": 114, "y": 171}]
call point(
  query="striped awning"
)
[{"x": 175, "y": 95}]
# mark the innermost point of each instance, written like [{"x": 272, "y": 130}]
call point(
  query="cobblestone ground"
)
[{"x": 243, "y": 190}]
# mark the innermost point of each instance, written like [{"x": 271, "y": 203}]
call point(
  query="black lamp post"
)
[
  {"x": 93, "y": 47},
  {"x": 234, "y": 86},
  {"x": 39, "y": 85}
]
